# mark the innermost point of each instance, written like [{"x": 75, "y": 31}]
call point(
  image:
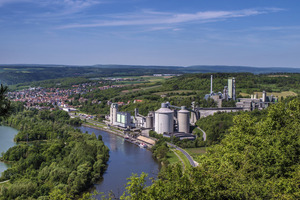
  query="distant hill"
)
[
  {"x": 20, "y": 73},
  {"x": 232, "y": 69}
]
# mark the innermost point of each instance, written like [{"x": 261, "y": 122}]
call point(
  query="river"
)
[
  {"x": 7, "y": 135},
  {"x": 125, "y": 159}
]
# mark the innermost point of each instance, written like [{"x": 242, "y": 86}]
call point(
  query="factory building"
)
[
  {"x": 123, "y": 119},
  {"x": 255, "y": 103},
  {"x": 169, "y": 120},
  {"x": 113, "y": 113},
  {"x": 164, "y": 122}
]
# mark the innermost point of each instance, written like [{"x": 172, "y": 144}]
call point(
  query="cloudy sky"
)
[{"x": 262, "y": 33}]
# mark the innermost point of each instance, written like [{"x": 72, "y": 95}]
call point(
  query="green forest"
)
[
  {"x": 58, "y": 161},
  {"x": 257, "y": 159}
]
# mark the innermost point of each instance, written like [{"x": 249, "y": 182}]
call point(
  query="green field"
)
[{"x": 196, "y": 152}]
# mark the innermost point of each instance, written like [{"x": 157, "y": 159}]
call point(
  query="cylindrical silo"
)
[
  {"x": 183, "y": 120},
  {"x": 149, "y": 121},
  {"x": 164, "y": 120}
]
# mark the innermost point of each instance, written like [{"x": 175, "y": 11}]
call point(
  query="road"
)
[
  {"x": 192, "y": 162},
  {"x": 204, "y": 134},
  {"x": 4, "y": 182}
]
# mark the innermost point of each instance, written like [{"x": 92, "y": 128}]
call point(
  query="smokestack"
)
[{"x": 211, "y": 84}]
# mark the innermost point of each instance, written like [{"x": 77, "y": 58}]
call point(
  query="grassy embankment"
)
[{"x": 184, "y": 159}]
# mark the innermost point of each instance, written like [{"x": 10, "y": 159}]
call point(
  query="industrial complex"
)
[{"x": 171, "y": 120}]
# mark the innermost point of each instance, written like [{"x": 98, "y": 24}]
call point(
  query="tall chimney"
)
[{"x": 211, "y": 84}]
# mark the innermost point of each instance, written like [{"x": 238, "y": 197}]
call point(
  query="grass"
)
[
  {"x": 172, "y": 158},
  {"x": 184, "y": 159},
  {"x": 196, "y": 152}
]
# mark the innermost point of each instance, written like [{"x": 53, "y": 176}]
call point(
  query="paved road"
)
[
  {"x": 192, "y": 162},
  {"x": 204, "y": 134},
  {"x": 4, "y": 182}
]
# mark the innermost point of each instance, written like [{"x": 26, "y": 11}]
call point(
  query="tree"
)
[
  {"x": 256, "y": 160},
  {"x": 5, "y": 107}
]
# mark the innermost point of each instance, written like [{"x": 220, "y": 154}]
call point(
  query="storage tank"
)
[
  {"x": 149, "y": 121},
  {"x": 164, "y": 120},
  {"x": 183, "y": 120}
]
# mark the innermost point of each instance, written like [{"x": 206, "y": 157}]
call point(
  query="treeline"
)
[
  {"x": 10, "y": 75},
  {"x": 257, "y": 159},
  {"x": 244, "y": 81},
  {"x": 60, "y": 162},
  {"x": 41, "y": 125},
  {"x": 217, "y": 126}
]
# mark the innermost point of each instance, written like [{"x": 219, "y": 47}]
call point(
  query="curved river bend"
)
[{"x": 125, "y": 159}]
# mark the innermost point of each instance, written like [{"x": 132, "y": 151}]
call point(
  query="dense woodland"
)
[
  {"x": 217, "y": 126},
  {"x": 257, "y": 159},
  {"x": 60, "y": 161}
]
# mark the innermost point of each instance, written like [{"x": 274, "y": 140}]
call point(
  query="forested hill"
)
[
  {"x": 13, "y": 74},
  {"x": 258, "y": 159}
]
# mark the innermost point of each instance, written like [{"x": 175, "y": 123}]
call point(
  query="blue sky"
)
[{"x": 262, "y": 33}]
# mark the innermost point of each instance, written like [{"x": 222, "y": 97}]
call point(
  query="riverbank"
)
[
  {"x": 125, "y": 159},
  {"x": 135, "y": 141}
]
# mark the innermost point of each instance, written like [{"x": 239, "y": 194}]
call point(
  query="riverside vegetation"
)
[{"x": 60, "y": 162}]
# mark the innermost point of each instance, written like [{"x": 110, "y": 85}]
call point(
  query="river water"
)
[
  {"x": 7, "y": 135},
  {"x": 125, "y": 159}
]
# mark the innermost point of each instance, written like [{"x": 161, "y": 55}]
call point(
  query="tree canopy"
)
[
  {"x": 258, "y": 159},
  {"x": 5, "y": 107}
]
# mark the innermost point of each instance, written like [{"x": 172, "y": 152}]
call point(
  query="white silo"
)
[
  {"x": 183, "y": 120},
  {"x": 164, "y": 122}
]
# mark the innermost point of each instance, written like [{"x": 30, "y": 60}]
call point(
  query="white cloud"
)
[{"x": 160, "y": 18}]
